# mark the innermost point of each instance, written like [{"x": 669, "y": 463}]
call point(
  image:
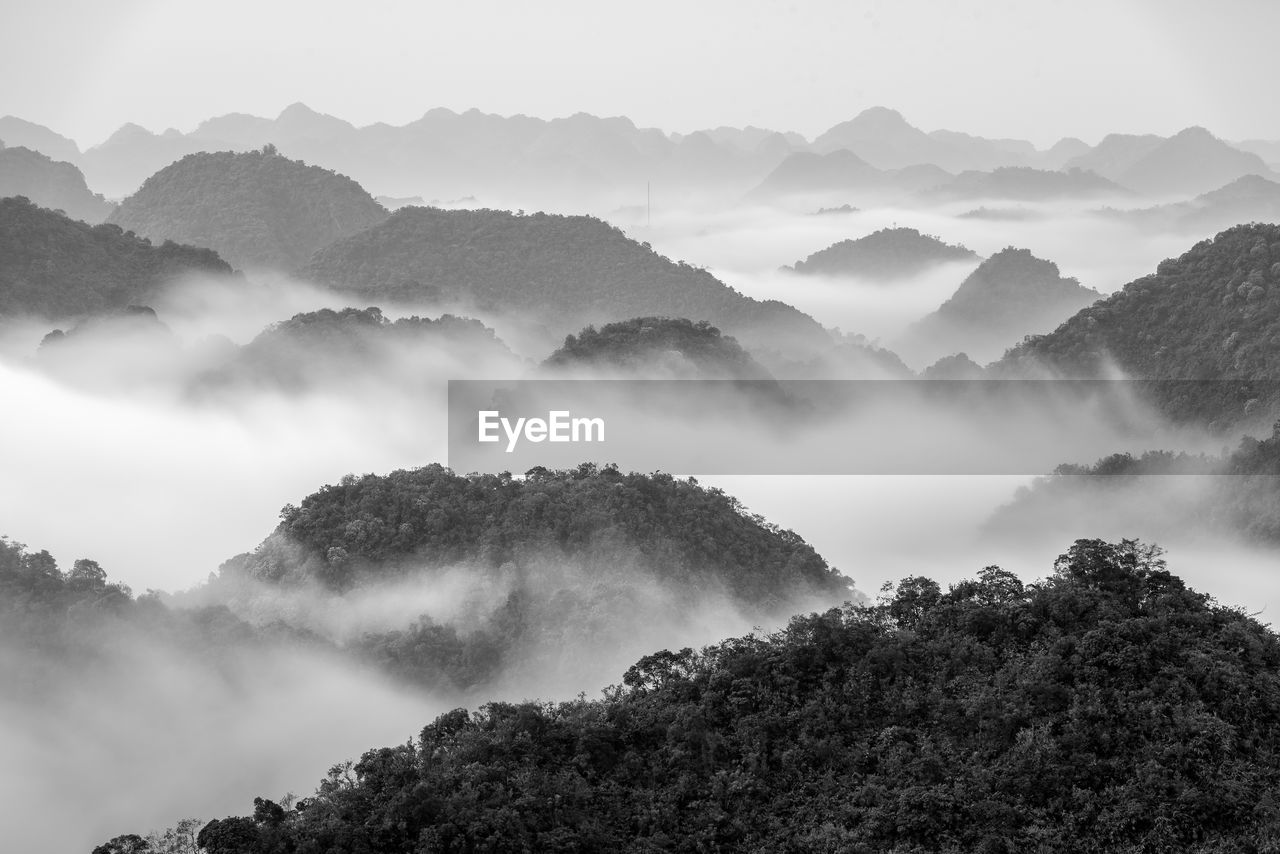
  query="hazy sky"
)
[{"x": 1037, "y": 69}]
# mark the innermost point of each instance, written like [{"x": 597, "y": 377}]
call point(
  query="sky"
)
[{"x": 1034, "y": 69}]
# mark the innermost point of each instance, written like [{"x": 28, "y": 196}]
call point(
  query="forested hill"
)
[
  {"x": 562, "y": 271},
  {"x": 890, "y": 253},
  {"x": 1212, "y": 314},
  {"x": 696, "y": 537},
  {"x": 257, "y": 208},
  {"x": 1107, "y": 708},
  {"x": 679, "y": 346},
  {"x": 49, "y": 183},
  {"x": 362, "y": 347},
  {"x": 57, "y": 267},
  {"x": 1009, "y": 296}
]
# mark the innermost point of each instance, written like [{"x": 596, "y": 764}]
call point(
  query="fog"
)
[{"x": 162, "y": 451}]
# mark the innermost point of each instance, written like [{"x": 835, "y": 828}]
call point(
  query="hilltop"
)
[
  {"x": 1012, "y": 294},
  {"x": 557, "y": 272},
  {"x": 57, "y": 267},
  {"x": 50, "y": 184},
  {"x": 890, "y": 253},
  {"x": 1211, "y": 314},
  {"x": 257, "y": 209},
  {"x": 674, "y": 346}
]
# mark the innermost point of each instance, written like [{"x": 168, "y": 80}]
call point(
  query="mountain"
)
[
  {"x": 257, "y": 209},
  {"x": 577, "y": 162},
  {"x": 670, "y": 346},
  {"x": 885, "y": 139},
  {"x": 1111, "y": 157},
  {"x": 1026, "y": 184},
  {"x": 1107, "y": 707},
  {"x": 1251, "y": 198},
  {"x": 1192, "y": 161},
  {"x": 556, "y": 273},
  {"x": 50, "y": 184},
  {"x": 806, "y": 172},
  {"x": 119, "y": 165},
  {"x": 546, "y": 572},
  {"x": 1061, "y": 153},
  {"x": 17, "y": 132},
  {"x": 890, "y": 253},
  {"x": 1012, "y": 294},
  {"x": 363, "y": 348},
  {"x": 56, "y": 267},
  {"x": 1210, "y": 316}
]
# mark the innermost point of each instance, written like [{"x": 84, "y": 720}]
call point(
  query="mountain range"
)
[{"x": 594, "y": 163}]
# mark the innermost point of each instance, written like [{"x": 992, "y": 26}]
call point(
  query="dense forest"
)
[
  {"x": 257, "y": 208},
  {"x": 57, "y": 267},
  {"x": 890, "y": 253},
  {"x": 50, "y": 184},
  {"x": 1211, "y": 315},
  {"x": 1010, "y": 295},
  {"x": 562, "y": 272},
  {"x": 676, "y": 346},
  {"x": 1106, "y": 708}
]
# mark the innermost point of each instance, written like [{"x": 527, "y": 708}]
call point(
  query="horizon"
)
[{"x": 1038, "y": 72}]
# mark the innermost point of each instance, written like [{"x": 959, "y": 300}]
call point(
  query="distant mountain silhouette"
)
[
  {"x": 557, "y": 272},
  {"x": 1026, "y": 184},
  {"x": 890, "y": 253},
  {"x": 1192, "y": 161},
  {"x": 57, "y": 267},
  {"x": 1115, "y": 154},
  {"x": 885, "y": 139},
  {"x": 580, "y": 161},
  {"x": 20, "y": 132},
  {"x": 257, "y": 209},
  {"x": 807, "y": 172},
  {"x": 1062, "y": 152},
  {"x": 1212, "y": 315},
  {"x": 50, "y": 184},
  {"x": 1012, "y": 294}
]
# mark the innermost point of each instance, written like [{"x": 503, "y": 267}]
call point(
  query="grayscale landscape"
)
[{"x": 952, "y": 331}]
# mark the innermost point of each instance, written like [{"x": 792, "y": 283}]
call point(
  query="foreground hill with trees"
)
[
  {"x": 57, "y": 267},
  {"x": 256, "y": 208},
  {"x": 1108, "y": 707}
]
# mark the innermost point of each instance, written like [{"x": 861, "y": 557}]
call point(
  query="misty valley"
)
[{"x": 1007, "y": 588}]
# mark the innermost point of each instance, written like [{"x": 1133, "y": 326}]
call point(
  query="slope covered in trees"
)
[
  {"x": 1107, "y": 707},
  {"x": 684, "y": 348},
  {"x": 1012, "y": 294},
  {"x": 57, "y": 267},
  {"x": 363, "y": 346},
  {"x": 257, "y": 209},
  {"x": 890, "y": 253},
  {"x": 563, "y": 272},
  {"x": 1212, "y": 314},
  {"x": 50, "y": 184}
]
